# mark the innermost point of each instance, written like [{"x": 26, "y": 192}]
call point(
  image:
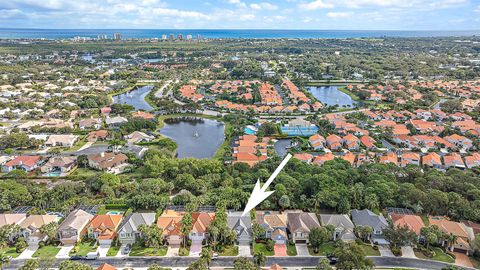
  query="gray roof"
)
[
  {"x": 339, "y": 221},
  {"x": 240, "y": 224},
  {"x": 302, "y": 222},
  {"x": 134, "y": 221},
  {"x": 368, "y": 218},
  {"x": 76, "y": 220}
]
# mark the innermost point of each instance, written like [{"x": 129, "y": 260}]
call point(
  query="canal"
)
[{"x": 136, "y": 98}]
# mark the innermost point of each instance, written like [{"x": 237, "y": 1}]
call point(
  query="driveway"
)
[
  {"x": 102, "y": 251},
  {"x": 244, "y": 251},
  {"x": 302, "y": 250},
  {"x": 120, "y": 252},
  {"x": 280, "y": 250},
  {"x": 27, "y": 253},
  {"x": 173, "y": 251},
  {"x": 85, "y": 146},
  {"x": 64, "y": 252},
  {"x": 462, "y": 260},
  {"x": 407, "y": 252},
  {"x": 385, "y": 251},
  {"x": 196, "y": 248}
]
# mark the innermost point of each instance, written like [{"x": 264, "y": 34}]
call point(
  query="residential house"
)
[
  {"x": 305, "y": 157},
  {"x": 103, "y": 228},
  {"x": 99, "y": 135},
  {"x": 170, "y": 222},
  {"x": 24, "y": 163},
  {"x": 334, "y": 142},
  {"x": 108, "y": 161},
  {"x": 138, "y": 137},
  {"x": 463, "y": 233},
  {"x": 90, "y": 123},
  {"x": 116, "y": 121},
  {"x": 67, "y": 140},
  {"x": 128, "y": 232},
  {"x": 317, "y": 142},
  {"x": 320, "y": 160},
  {"x": 344, "y": 228},
  {"x": 73, "y": 227},
  {"x": 143, "y": 115},
  {"x": 242, "y": 226},
  {"x": 8, "y": 219},
  {"x": 460, "y": 142},
  {"x": 300, "y": 224},
  {"x": 60, "y": 164},
  {"x": 201, "y": 221},
  {"x": 106, "y": 266},
  {"x": 413, "y": 222},
  {"x": 275, "y": 225},
  {"x": 389, "y": 158},
  {"x": 409, "y": 158},
  {"x": 351, "y": 142},
  {"x": 473, "y": 160},
  {"x": 106, "y": 111},
  {"x": 453, "y": 160},
  {"x": 368, "y": 141},
  {"x": 30, "y": 227},
  {"x": 433, "y": 160},
  {"x": 376, "y": 222}
]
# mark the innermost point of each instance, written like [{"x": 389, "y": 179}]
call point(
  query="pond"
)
[
  {"x": 330, "y": 95},
  {"x": 136, "y": 98},
  {"x": 195, "y": 137},
  {"x": 282, "y": 146}
]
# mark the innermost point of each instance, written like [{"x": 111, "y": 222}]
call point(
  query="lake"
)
[
  {"x": 330, "y": 95},
  {"x": 195, "y": 137},
  {"x": 136, "y": 98}
]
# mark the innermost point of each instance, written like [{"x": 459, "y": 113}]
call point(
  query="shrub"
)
[
  {"x": 183, "y": 252},
  {"x": 21, "y": 245},
  {"x": 270, "y": 244},
  {"x": 396, "y": 251}
]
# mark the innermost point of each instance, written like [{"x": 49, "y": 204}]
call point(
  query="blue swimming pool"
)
[{"x": 249, "y": 131}]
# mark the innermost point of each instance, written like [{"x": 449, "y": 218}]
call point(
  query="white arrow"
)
[{"x": 260, "y": 194}]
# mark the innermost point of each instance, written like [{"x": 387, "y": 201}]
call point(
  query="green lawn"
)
[
  {"x": 369, "y": 250},
  {"x": 112, "y": 251},
  {"x": 83, "y": 173},
  {"x": 260, "y": 247},
  {"x": 46, "y": 251},
  {"x": 323, "y": 250},
  {"x": 229, "y": 251},
  {"x": 440, "y": 255},
  {"x": 9, "y": 251},
  {"x": 291, "y": 250},
  {"x": 138, "y": 250},
  {"x": 84, "y": 248}
]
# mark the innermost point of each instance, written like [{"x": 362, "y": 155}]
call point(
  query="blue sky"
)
[{"x": 243, "y": 14}]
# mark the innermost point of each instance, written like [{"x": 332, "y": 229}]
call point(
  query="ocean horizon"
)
[{"x": 26, "y": 33}]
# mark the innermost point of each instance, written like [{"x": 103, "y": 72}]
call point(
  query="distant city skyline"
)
[{"x": 243, "y": 14}]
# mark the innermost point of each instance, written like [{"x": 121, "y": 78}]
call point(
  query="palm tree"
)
[
  {"x": 207, "y": 254},
  {"x": 4, "y": 261},
  {"x": 259, "y": 259}
]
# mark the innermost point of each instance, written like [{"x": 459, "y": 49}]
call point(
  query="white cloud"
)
[
  {"x": 264, "y": 5},
  {"x": 477, "y": 9},
  {"x": 238, "y": 3},
  {"x": 339, "y": 14},
  {"x": 317, "y": 4}
]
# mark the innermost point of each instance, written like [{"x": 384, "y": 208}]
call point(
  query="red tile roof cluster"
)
[
  {"x": 250, "y": 150},
  {"x": 190, "y": 92}
]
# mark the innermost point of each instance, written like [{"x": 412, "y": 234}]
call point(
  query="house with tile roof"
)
[
  {"x": 317, "y": 141},
  {"x": 24, "y": 163},
  {"x": 463, "y": 233},
  {"x": 275, "y": 225},
  {"x": 170, "y": 222},
  {"x": 472, "y": 160},
  {"x": 103, "y": 228},
  {"x": 320, "y": 160},
  {"x": 242, "y": 226},
  {"x": 334, "y": 142},
  {"x": 300, "y": 224},
  {"x": 413, "y": 222},
  {"x": 90, "y": 123},
  {"x": 106, "y": 266},
  {"x": 368, "y": 142},
  {"x": 30, "y": 227},
  {"x": 99, "y": 135},
  {"x": 60, "y": 164},
  {"x": 73, "y": 227},
  {"x": 453, "y": 160},
  {"x": 9, "y": 219},
  {"x": 138, "y": 137},
  {"x": 200, "y": 223},
  {"x": 460, "y": 142},
  {"x": 344, "y": 228},
  {"x": 409, "y": 158},
  {"x": 61, "y": 140},
  {"x": 108, "y": 161},
  {"x": 432, "y": 160},
  {"x": 351, "y": 142},
  {"x": 128, "y": 232},
  {"x": 378, "y": 223},
  {"x": 305, "y": 157},
  {"x": 389, "y": 158},
  {"x": 143, "y": 115}
]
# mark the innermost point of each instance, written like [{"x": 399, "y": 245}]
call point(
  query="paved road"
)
[
  {"x": 297, "y": 261},
  {"x": 160, "y": 92}
]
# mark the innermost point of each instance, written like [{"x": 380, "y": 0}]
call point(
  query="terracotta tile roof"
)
[
  {"x": 303, "y": 157},
  {"x": 413, "y": 222},
  {"x": 106, "y": 266},
  {"x": 170, "y": 222},
  {"x": 29, "y": 161},
  {"x": 201, "y": 221},
  {"x": 448, "y": 226}
]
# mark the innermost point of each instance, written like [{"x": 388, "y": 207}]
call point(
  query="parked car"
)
[
  {"x": 332, "y": 259},
  {"x": 126, "y": 250},
  {"x": 76, "y": 258},
  {"x": 92, "y": 256},
  {"x": 215, "y": 256}
]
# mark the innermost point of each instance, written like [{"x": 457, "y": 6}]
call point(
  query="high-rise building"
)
[
  {"x": 199, "y": 37},
  {"x": 189, "y": 37},
  {"x": 172, "y": 37},
  {"x": 180, "y": 36},
  {"x": 164, "y": 37},
  {"x": 117, "y": 36}
]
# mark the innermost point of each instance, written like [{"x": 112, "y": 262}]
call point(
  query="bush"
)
[
  {"x": 397, "y": 251},
  {"x": 41, "y": 244},
  {"x": 21, "y": 245},
  {"x": 183, "y": 252},
  {"x": 270, "y": 244}
]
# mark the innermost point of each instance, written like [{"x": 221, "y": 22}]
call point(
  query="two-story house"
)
[
  {"x": 300, "y": 224},
  {"x": 128, "y": 232},
  {"x": 73, "y": 227}
]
